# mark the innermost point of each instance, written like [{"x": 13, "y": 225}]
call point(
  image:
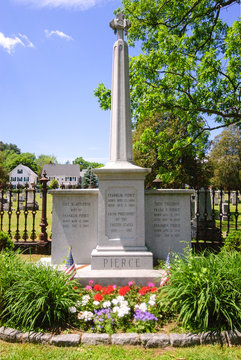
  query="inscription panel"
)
[
  {"x": 74, "y": 224},
  {"x": 166, "y": 219},
  {"x": 76, "y": 215},
  {"x": 121, "y": 213}
]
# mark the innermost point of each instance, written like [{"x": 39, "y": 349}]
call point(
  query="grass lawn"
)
[
  {"x": 29, "y": 219},
  {"x": 10, "y": 351},
  {"x": 33, "y": 258}
]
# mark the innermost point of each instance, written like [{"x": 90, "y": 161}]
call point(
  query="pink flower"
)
[
  {"x": 91, "y": 282},
  {"x": 114, "y": 286},
  {"x": 88, "y": 287},
  {"x": 130, "y": 283},
  {"x": 150, "y": 284}
]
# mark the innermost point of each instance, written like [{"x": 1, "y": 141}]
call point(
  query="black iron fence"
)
[
  {"x": 215, "y": 213},
  {"x": 23, "y": 214}
]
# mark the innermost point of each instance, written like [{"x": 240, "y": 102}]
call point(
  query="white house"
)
[
  {"x": 67, "y": 174},
  {"x": 21, "y": 175}
]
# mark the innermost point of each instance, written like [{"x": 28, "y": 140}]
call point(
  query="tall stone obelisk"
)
[{"x": 121, "y": 223}]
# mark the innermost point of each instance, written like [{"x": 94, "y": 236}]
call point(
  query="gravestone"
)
[
  {"x": 167, "y": 215},
  {"x": 204, "y": 224},
  {"x": 235, "y": 198},
  {"x": 216, "y": 200},
  {"x": 225, "y": 212},
  {"x": 31, "y": 204},
  {"x": 74, "y": 224}
]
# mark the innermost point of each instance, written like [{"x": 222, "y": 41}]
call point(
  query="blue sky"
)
[{"x": 53, "y": 54}]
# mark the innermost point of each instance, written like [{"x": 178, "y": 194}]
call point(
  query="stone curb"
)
[{"x": 146, "y": 340}]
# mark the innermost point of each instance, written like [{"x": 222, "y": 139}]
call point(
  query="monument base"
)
[
  {"x": 106, "y": 277},
  {"x": 121, "y": 260}
]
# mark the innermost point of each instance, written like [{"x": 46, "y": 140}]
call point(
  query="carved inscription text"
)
[
  {"x": 76, "y": 214},
  {"x": 121, "y": 212},
  {"x": 166, "y": 218}
]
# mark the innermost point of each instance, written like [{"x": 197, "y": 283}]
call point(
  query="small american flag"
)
[
  {"x": 166, "y": 272},
  {"x": 69, "y": 267}
]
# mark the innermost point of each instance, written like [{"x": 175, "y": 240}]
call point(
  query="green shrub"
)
[
  {"x": 11, "y": 266},
  {"x": 6, "y": 243},
  {"x": 54, "y": 184},
  {"x": 35, "y": 296},
  {"x": 233, "y": 241},
  {"x": 205, "y": 291}
]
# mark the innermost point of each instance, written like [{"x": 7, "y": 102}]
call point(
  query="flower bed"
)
[{"x": 111, "y": 309}]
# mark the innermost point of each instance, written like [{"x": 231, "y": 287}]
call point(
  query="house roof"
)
[
  {"x": 62, "y": 169},
  {"x": 26, "y": 168}
]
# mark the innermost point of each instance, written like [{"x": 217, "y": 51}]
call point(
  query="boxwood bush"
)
[{"x": 6, "y": 243}]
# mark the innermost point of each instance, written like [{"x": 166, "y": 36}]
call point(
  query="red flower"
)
[
  {"x": 144, "y": 290},
  {"x": 154, "y": 289},
  {"x": 98, "y": 297},
  {"x": 75, "y": 288},
  {"x": 104, "y": 291},
  {"x": 110, "y": 289},
  {"x": 97, "y": 287},
  {"x": 123, "y": 290}
]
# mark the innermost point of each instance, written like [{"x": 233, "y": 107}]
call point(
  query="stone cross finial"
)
[{"x": 120, "y": 24}]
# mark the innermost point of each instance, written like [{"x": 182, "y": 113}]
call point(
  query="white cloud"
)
[
  {"x": 67, "y": 4},
  {"x": 57, "y": 33},
  {"x": 10, "y": 43}
]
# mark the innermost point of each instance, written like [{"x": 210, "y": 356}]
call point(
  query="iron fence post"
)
[{"x": 43, "y": 236}]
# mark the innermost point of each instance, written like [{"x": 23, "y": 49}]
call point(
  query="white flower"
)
[
  {"x": 85, "y": 315},
  {"x": 72, "y": 309},
  {"x": 85, "y": 299},
  {"x": 152, "y": 300},
  {"x": 121, "y": 310},
  {"x": 78, "y": 303},
  {"x": 120, "y": 298},
  {"x": 115, "y": 301},
  {"x": 115, "y": 309},
  {"x": 142, "y": 307},
  {"x": 124, "y": 303},
  {"x": 106, "y": 304},
  {"x": 96, "y": 303}
]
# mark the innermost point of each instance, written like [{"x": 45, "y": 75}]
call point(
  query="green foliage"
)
[
  {"x": 12, "y": 160},
  {"x": 85, "y": 164},
  {"x": 104, "y": 96},
  {"x": 10, "y": 269},
  {"x": 4, "y": 178},
  {"x": 154, "y": 139},
  {"x": 45, "y": 159},
  {"x": 225, "y": 159},
  {"x": 233, "y": 241},
  {"x": 6, "y": 243},
  {"x": 90, "y": 180},
  {"x": 10, "y": 147},
  {"x": 35, "y": 297},
  {"x": 189, "y": 65},
  {"x": 205, "y": 291},
  {"x": 54, "y": 184}
]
